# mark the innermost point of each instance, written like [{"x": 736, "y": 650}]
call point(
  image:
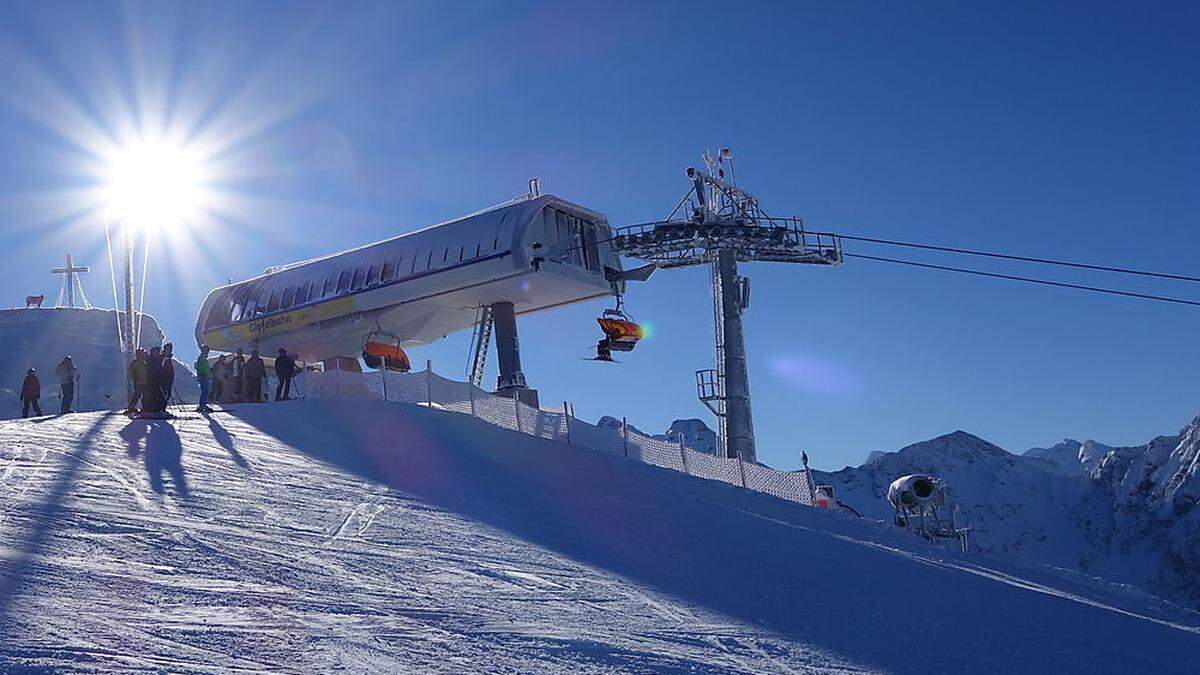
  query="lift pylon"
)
[{"x": 719, "y": 224}]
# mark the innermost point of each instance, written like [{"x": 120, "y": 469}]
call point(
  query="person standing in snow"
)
[
  {"x": 285, "y": 369},
  {"x": 66, "y": 381},
  {"x": 151, "y": 402},
  {"x": 203, "y": 378},
  {"x": 139, "y": 374},
  {"x": 220, "y": 375},
  {"x": 238, "y": 370},
  {"x": 254, "y": 374},
  {"x": 31, "y": 391},
  {"x": 168, "y": 373}
]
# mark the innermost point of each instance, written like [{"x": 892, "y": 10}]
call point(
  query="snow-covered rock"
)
[{"x": 40, "y": 338}]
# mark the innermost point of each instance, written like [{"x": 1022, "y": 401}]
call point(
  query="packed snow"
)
[{"x": 371, "y": 536}]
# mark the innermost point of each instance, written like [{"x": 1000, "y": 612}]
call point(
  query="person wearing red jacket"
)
[{"x": 31, "y": 391}]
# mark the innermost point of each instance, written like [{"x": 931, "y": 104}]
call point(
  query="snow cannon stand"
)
[{"x": 921, "y": 506}]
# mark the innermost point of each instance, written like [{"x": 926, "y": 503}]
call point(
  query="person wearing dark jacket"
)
[
  {"x": 255, "y": 373},
  {"x": 139, "y": 374},
  {"x": 237, "y": 369},
  {"x": 285, "y": 369},
  {"x": 31, "y": 391},
  {"x": 152, "y": 400},
  {"x": 66, "y": 373},
  {"x": 168, "y": 373}
]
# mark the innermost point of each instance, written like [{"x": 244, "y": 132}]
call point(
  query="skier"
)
[
  {"x": 220, "y": 378},
  {"x": 152, "y": 399},
  {"x": 167, "y": 385},
  {"x": 285, "y": 369},
  {"x": 254, "y": 374},
  {"x": 31, "y": 391},
  {"x": 139, "y": 374},
  {"x": 66, "y": 373},
  {"x": 238, "y": 370},
  {"x": 203, "y": 378}
]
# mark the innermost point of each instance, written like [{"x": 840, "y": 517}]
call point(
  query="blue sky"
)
[{"x": 1064, "y": 131}]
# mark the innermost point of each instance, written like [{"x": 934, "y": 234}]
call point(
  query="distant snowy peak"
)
[
  {"x": 696, "y": 434},
  {"x": 874, "y": 456},
  {"x": 1063, "y": 457},
  {"x": 1091, "y": 454},
  {"x": 1068, "y": 446},
  {"x": 958, "y": 447}
]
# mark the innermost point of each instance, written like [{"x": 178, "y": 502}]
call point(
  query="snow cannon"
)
[
  {"x": 921, "y": 506},
  {"x": 913, "y": 492},
  {"x": 389, "y": 356}
]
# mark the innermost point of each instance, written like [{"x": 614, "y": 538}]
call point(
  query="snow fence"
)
[{"x": 430, "y": 389}]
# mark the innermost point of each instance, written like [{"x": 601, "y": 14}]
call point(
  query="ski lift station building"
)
[{"x": 531, "y": 255}]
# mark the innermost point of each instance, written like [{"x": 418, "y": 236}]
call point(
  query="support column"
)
[
  {"x": 739, "y": 426},
  {"x": 511, "y": 381},
  {"x": 127, "y": 244}
]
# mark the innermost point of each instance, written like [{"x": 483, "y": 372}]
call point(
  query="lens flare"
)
[{"x": 815, "y": 375}]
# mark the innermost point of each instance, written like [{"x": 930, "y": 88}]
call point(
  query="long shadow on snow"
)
[
  {"x": 746, "y": 555},
  {"x": 161, "y": 450},
  {"x": 16, "y": 572}
]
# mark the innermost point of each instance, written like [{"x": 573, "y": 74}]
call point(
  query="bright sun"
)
[{"x": 154, "y": 185}]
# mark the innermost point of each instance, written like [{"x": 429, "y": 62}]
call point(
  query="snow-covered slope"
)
[
  {"x": 375, "y": 537},
  {"x": 1126, "y": 514},
  {"x": 40, "y": 338}
]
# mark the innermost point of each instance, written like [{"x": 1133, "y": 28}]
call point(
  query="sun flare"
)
[{"x": 154, "y": 185}]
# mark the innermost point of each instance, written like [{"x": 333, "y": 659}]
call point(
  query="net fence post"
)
[
  {"x": 683, "y": 455},
  {"x": 471, "y": 396},
  {"x": 741, "y": 468},
  {"x": 567, "y": 418},
  {"x": 625, "y": 436},
  {"x": 429, "y": 382},
  {"x": 517, "y": 411}
]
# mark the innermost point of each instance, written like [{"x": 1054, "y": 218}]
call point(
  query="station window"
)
[
  {"x": 289, "y": 298},
  {"x": 330, "y": 286},
  {"x": 344, "y": 281},
  {"x": 360, "y": 276},
  {"x": 389, "y": 271},
  {"x": 273, "y": 303},
  {"x": 302, "y": 293},
  {"x": 373, "y": 275}
]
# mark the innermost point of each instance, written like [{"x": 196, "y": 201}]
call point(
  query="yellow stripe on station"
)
[{"x": 245, "y": 332}]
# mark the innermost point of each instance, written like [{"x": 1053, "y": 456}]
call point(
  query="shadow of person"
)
[
  {"x": 134, "y": 436},
  {"x": 225, "y": 439},
  {"x": 164, "y": 454}
]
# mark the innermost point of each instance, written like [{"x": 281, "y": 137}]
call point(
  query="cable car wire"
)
[
  {"x": 1031, "y": 280},
  {"x": 1020, "y": 258}
]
